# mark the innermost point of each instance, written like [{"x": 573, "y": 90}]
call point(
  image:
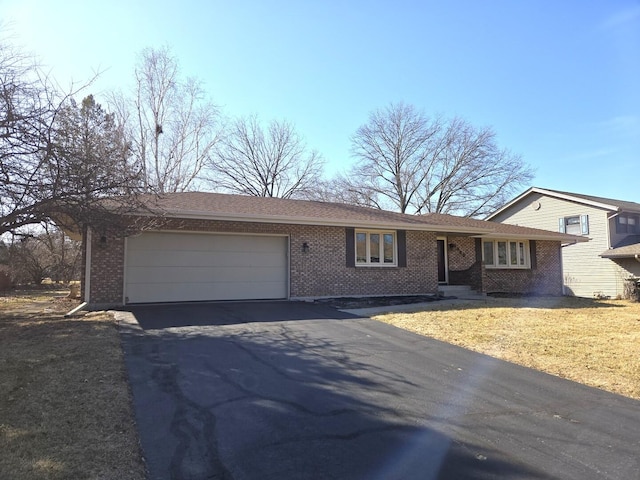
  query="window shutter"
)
[
  {"x": 478, "y": 249},
  {"x": 532, "y": 254},
  {"x": 561, "y": 225},
  {"x": 401, "y": 236},
  {"x": 584, "y": 224},
  {"x": 350, "y": 235}
]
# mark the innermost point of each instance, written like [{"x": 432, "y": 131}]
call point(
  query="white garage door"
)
[{"x": 170, "y": 267}]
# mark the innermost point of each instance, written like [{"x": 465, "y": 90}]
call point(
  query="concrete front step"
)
[{"x": 459, "y": 291}]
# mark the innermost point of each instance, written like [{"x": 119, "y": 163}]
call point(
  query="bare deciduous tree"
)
[
  {"x": 28, "y": 104},
  {"x": 409, "y": 162},
  {"x": 271, "y": 162},
  {"x": 44, "y": 252},
  {"x": 172, "y": 126},
  {"x": 57, "y": 161}
]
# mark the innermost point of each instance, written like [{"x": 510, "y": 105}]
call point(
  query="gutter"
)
[{"x": 568, "y": 244}]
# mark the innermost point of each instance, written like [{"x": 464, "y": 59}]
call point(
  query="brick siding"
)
[
  {"x": 320, "y": 272},
  {"x": 466, "y": 269},
  {"x": 544, "y": 279},
  {"x": 461, "y": 253}
]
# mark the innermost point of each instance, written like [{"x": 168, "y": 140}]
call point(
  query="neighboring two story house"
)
[{"x": 599, "y": 267}]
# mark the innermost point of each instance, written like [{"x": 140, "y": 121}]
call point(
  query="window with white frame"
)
[
  {"x": 506, "y": 254},
  {"x": 375, "y": 248},
  {"x": 574, "y": 225}
]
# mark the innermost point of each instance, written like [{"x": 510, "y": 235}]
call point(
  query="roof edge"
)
[
  {"x": 552, "y": 193},
  {"x": 487, "y": 232},
  {"x": 568, "y": 239},
  {"x": 320, "y": 222}
]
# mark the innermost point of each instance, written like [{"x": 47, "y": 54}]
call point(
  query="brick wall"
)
[
  {"x": 544, "y": 279},
  {"x": 464, "y": 267},
  {"x": 107, "y": 269},
  {"x": 320, "y": 272},
  {"x": 461, "y": 253}
]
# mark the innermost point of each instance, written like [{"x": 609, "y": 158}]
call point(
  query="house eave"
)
[
  {"x": 568, "y": 239},
  {"x": 337, "y": 222},
  {"x": 617, "y": 256}
]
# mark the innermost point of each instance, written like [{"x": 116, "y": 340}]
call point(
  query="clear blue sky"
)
[{"x": 559, "y": 81}]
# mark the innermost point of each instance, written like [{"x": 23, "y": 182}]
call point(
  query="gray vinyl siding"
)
[{"x": 585, "y": 273}]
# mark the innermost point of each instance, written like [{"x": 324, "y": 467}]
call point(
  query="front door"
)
[{"x": 442, "y": 260}]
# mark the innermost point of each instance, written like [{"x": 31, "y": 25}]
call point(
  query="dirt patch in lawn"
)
[
  {"x": 65, "y": 408},
  {"x": 596, "y": 343}
]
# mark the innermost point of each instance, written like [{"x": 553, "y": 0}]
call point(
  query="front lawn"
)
[
  {"x": 65, "y": 409},
  {"x": 593, "y": 342}
]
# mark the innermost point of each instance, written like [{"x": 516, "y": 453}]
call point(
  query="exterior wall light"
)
[{"x": 305, "y": 247}]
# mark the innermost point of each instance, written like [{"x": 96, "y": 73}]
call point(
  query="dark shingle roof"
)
[
  {"x": 627, "y": 247},
  {"x": 621, "y": 204},
  {"x": 623, "y": 252},
  {"x": 277, "y": 210}
]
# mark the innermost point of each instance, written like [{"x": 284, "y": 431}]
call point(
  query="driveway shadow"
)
[
  {"x": 293, "y": 400},
  {"x": 159, "y": 316}
]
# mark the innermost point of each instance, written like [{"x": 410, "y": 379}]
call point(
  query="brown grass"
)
[
  {"x": 596, "y": 343},
  {"x": 65, "y": 407}
]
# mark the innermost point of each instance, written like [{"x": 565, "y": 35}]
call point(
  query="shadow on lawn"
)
[{"x": 538, "y": 301}]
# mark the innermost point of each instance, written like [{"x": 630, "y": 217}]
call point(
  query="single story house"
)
[
  {"x": 210, "y": 246},
  {"x": 601, "y": 267}
]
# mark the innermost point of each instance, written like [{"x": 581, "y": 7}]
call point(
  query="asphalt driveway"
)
[{"x": 280, "y": 390}]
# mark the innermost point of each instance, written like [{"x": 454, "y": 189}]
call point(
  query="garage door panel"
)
[
  {"x": 156, "y": 275},
  {"x": 199, "y": 292},
  {"x": 204, "y": 242},
  {"x": 165, "y": 267},
  {"x": 162, "y": 258}
]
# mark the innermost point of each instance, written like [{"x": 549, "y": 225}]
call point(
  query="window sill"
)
[
  {"x": 508, "y": 267},
  {"x": 376, "y": 265}
]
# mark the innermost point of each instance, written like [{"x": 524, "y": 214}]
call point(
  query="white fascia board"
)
[
  {"x": 572, "y": 198},
  {"x": 322, "y": 222},
  {"x": 512, "y": 202}
]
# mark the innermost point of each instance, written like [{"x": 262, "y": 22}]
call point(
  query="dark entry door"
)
[{"x": 442, "y": 263}]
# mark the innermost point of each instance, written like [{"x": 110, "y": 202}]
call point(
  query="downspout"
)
[{"x": 87, "y": 268}]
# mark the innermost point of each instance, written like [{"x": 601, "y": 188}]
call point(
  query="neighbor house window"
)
[
  {"x": 377, "y": 248},
  {"x": 574, "y": 225},
  {"x": 505, "y": 253},
  {"x": 627, "y": 223}
]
